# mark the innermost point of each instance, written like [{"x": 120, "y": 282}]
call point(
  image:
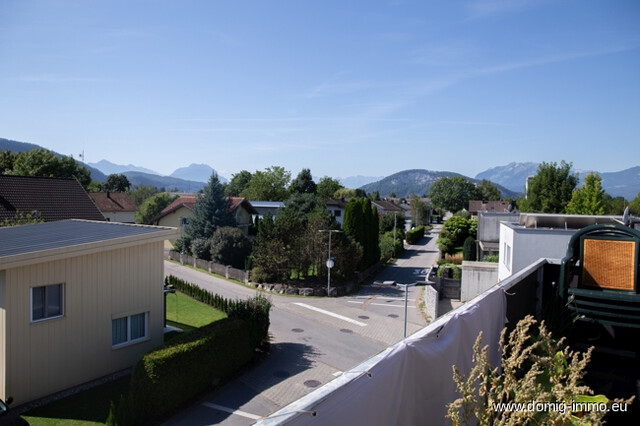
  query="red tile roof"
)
[
  {"x": 189, "y": 201},
  {"x": 52, "y": 198}
]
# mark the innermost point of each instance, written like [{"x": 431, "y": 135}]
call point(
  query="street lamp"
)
[
  {"x": 406, "y": 299},
  {"x": 329, "y": 260}
]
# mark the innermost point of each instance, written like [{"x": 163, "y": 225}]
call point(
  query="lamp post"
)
[
  {"x": 329, "y": 260},
  {"x": 406, "y": 300}
]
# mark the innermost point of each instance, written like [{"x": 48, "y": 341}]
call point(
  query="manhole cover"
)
[
  {"x": 363, "y": 317},
  {"x": 392, "y": 316},
  {"x": 312, "y": 383},
  {"x": 297, "y": 330},
  {"x": 281, "y": 374},
  {"x": 346, "y": 330}
]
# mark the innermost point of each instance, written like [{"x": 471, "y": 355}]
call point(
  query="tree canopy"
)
[
  {"x": 116, "y": 183},
  {"x": 452, "y": 193},
  {"x": 327, "y": 187},
  {"x": 488, "y": 191},
  {"x": 44, "y": 163},
  {"x": 303, "y": 183},
  {"x": 268, "y": 185},
  {"x": 238, "y": 183},
  {"x": 589, "y": 198},
  {"x": 152, "y": 207},
  {"x": 551, "y": 189}
]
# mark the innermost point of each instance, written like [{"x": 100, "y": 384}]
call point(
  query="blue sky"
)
[{"x": 341, "y": 87}]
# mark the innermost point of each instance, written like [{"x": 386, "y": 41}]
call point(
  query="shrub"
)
[
  {"x": 167, "y": 377},
  {"x": 492, "y": 258},
  {"x": 455, "y": 259},
  {"x": 414, "y": 235},
  {"x": 446, "y": 245},
  {"x": 387, "y": 246},
  {"x": 455, "y": 271},
  {"x": 229, "y": 246},
  {"x": 469, "y": 249},
  {"x": 201, "y": 248}
]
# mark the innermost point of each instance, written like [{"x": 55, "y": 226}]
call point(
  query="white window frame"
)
[
  {"x": 129, "y": 340},
  {"x": 46, "y": 317}
]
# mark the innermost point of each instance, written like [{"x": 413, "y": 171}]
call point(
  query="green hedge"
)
[
  {"x": 192, "y": 363},
  {"x": 172, "y": 374},
  {"x": 414, "y": 235}
]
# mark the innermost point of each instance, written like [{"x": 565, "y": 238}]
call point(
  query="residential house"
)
[
  {"x": 477, "y": 206},
  {"x": 385, "y": 207},
  {"x": 178, "y": 213},
  {"x": 115, "y": 206},
  {"x": 336, "y": 209},
  {"x": 267, "y": 207},
  {"x": 79, "y": 300},
  {"x": 50, "y": 199}
]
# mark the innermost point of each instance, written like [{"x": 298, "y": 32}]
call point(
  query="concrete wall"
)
[
  {"x": 477, "y": 277},
  {"x": 431, "y": 302},
  {"x": 489, "y": 225},
  {"x": 44, "y": 357}
]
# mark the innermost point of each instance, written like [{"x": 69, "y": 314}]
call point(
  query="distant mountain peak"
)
[
  {"x": 108, "y": 168},
  {"x": 197, "y": 173}
]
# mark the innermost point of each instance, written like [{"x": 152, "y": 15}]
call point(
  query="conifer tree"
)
[{"x": 212, "y": 210}]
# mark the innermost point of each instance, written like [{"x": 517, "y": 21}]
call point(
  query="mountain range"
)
[{"x": 510, "y": 179}]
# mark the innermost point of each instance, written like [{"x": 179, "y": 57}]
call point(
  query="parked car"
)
[{"x": 9, "y": 417}]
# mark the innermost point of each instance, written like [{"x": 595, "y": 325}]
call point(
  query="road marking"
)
[
  {"x": 232, "y": 411},
  {"x": 322, "y": 311},
  {"x": 381, "y": 304}
]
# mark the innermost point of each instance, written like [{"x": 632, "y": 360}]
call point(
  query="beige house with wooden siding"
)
[{"x": 79, "y": 300}]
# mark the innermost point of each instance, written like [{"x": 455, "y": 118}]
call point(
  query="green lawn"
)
[
  {"x": 187, "y": 314},
  {"x": 91, "y": 407}
]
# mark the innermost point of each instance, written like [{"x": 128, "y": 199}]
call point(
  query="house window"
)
[
  {"x": 130, "y": 329},
  {"x": 47, "y": 302},
  {"x": 337, "y": 213},
  {"x": 507, "y": 256},
  {"x": 184, "y": 221}
]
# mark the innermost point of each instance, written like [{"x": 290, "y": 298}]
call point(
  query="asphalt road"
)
[{"x": 313, "y": 340}]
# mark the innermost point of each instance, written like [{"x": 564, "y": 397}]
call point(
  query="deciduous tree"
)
[
  {"x": 327, "y": 187},
  {"x": 116, "y": 183},
  {"x": 589, "y": 198},
  {"x": 551, "y": 189},
  {"x": 238, "y": 183},
  {"x": 488, "y": 191},
  {"x": 268, "y": 185},
  {"x": 452, "y": 193},
  {"x": 152, "y": 207}
]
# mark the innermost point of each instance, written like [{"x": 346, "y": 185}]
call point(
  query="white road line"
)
[
  {"x": 322, "y": 311},
  {"x": 381, "y": 304},
  {"x": 232, "y": 411}
]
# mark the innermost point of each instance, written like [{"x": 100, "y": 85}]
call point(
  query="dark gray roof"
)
[
  {"x": 52, "y": 198},
  {"x": 17, "y": 240}
]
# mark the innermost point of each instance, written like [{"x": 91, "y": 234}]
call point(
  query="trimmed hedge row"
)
[
  {"x": 414, "y": 235},
  {"x": 192, "y": 363},
  {"x": 172, "y": 374}
]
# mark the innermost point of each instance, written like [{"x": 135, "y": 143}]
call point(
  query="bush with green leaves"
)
[
  {"x": 229, "y": 246},
  {"x": 387, "y": 246},
  {"x": 454, "y": 271},
  {"x": 469, "y": 249},
  {"x": 201, "y": 248},
  {"x": 414, "y": 235}
]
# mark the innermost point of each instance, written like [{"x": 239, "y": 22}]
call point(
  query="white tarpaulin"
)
[{"x": 412, "y": 382}]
